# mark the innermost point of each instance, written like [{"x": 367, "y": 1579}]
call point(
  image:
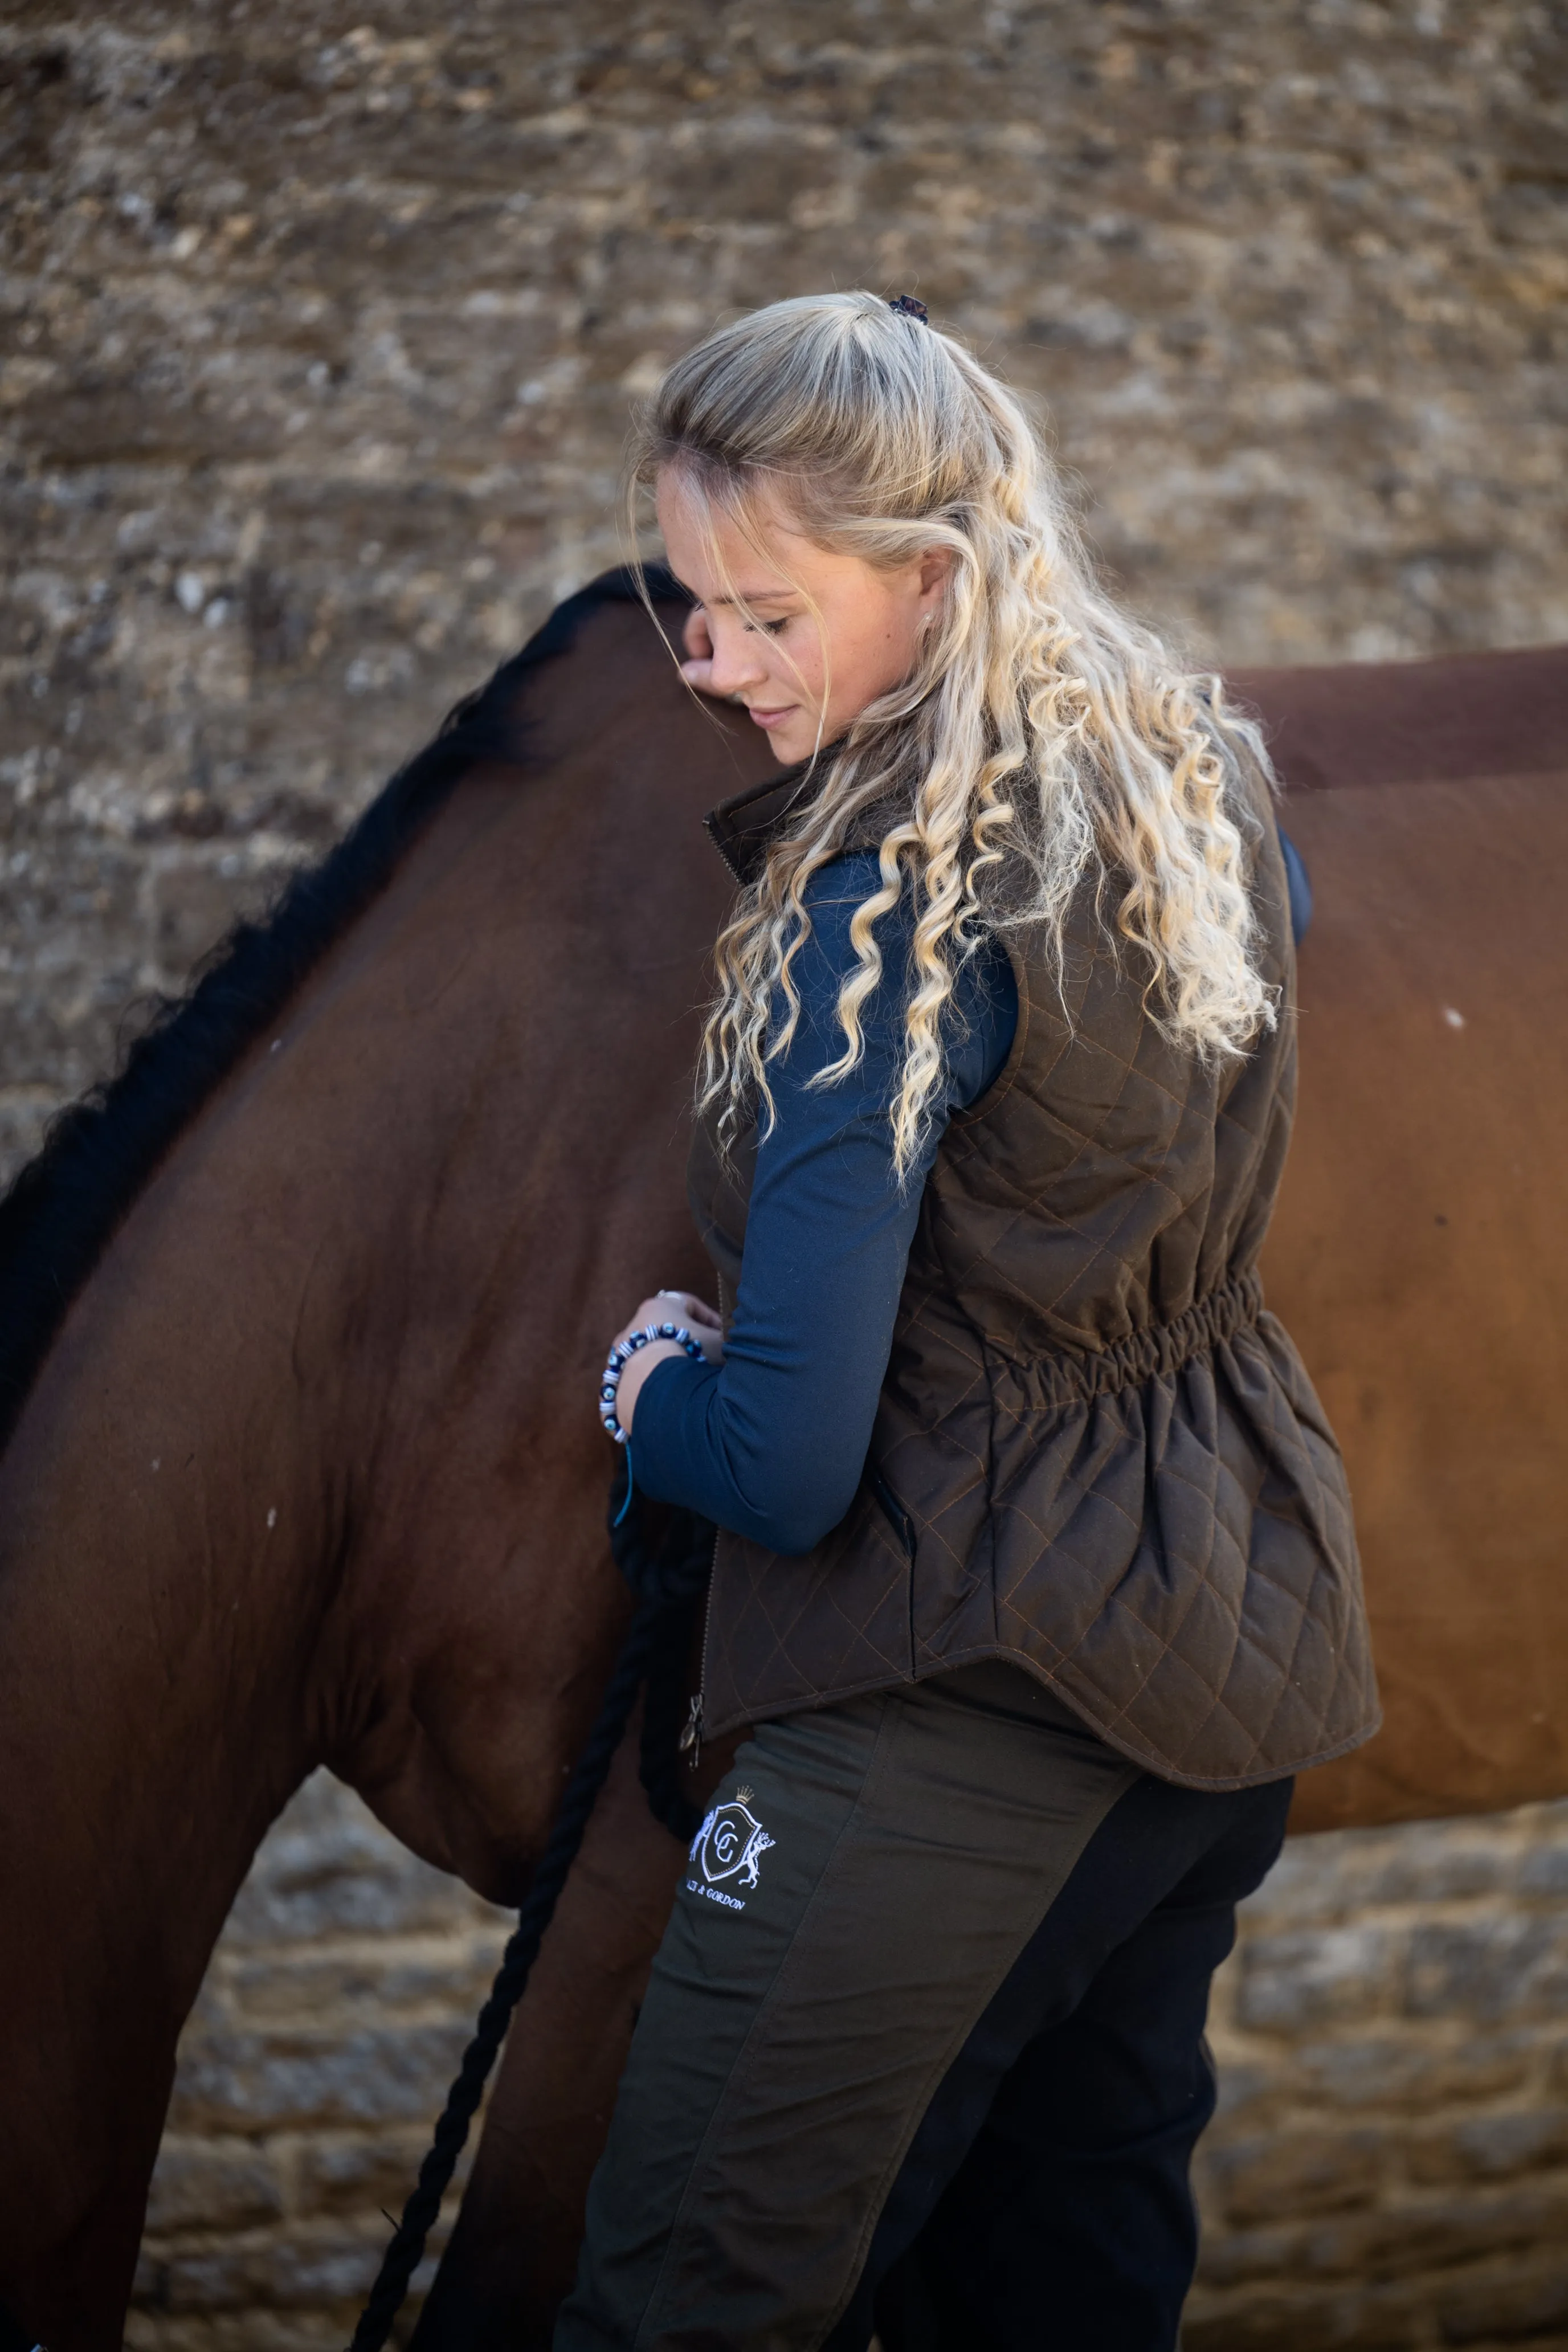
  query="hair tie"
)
[{"x": 907, "y": 308}]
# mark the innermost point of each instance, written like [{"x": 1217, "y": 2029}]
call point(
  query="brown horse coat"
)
[
  {"x": 308, "y": 1475},
  {"x": 1418, "y": 1252}
]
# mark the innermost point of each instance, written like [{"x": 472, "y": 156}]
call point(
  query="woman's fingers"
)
[
  {"x": 697, "y": 670},
  {"x": 696, "y": 636},
  {"x": 680, "y": 1307},
  {"x": 686, "y": 1304}
]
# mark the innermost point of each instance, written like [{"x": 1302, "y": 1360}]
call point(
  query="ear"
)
[{"x": 935, "y": 571}]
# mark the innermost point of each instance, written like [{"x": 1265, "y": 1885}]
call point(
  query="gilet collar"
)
[{"x": 744, "y": 828}]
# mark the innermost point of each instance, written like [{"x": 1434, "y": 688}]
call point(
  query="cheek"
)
[
  {"x": 795, "y": 658},
  {"x": 875, "y": 651}
]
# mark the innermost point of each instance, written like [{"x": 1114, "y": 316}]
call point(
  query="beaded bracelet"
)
[{"x": 620, "y": 1356}]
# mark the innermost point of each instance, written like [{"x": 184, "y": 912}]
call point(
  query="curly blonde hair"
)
[{"x": 1045, "y": 741}]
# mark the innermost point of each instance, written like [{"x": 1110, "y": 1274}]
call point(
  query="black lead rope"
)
[{"x": 668, "y": 1575}]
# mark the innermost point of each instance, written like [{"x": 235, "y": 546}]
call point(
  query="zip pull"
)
[{"x": 691, "y": 1733}]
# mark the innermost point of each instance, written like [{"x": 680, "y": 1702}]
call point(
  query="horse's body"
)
[
  {"x": 1418, "y": 1252},
  {"x": 306, "y": 1472}
]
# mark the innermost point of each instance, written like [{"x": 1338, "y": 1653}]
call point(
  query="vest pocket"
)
[{"x": 903, "y": 1527}]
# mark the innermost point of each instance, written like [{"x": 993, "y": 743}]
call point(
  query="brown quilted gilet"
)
[{"x": 1096, "y": 1452}]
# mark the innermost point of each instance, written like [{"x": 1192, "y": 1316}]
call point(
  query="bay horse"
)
[{"x": 300, "y": 1319}]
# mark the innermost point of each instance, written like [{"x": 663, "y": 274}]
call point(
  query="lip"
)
[{"x": 766, "y": 718}]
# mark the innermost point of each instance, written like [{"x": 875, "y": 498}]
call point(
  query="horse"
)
[{"x": 302, "y": 1315}]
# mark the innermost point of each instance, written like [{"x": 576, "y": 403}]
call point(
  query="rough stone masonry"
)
[{"x": 319, "y": 333}]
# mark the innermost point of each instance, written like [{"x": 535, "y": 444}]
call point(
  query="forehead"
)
[{"x": 761, "y": 561}]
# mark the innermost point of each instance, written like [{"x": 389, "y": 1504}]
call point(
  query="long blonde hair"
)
[{"x": 1043, "y": 742}]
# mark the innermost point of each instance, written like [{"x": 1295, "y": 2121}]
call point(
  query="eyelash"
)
[{"x": 768, "y": 628}]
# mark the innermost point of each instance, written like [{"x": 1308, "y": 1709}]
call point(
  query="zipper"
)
[{"x": 690, "y": 1742}]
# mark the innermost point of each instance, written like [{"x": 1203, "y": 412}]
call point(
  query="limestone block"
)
[
  {"x": 1432, "y": 2236},
  {"x": 149, "y": 2329},
  {"x": 1293, "y": 1981},
  {"x": 323, "y": 2264},
  {"x": 1411, "y": 2072},
  {"x": 1492, "y": 1968},
  {"x": 339, "y": 2174},
  {"x": 1521, "y": 2300},
  {"x": 1543, "y": 1868},
  {"x": 1301, "y": 2171},
  {"x": 430, "y": 1974},
  {"x": 1379, "y": 2316},
  {"x": 1317, "y": 1879},
  {"x": 25, "y": 1113},
  {"x": 254, "y": 2081},
  {"x": 194, "y": 905},
  {"x": 212, "y": 2184},
  {"x": 1490, "y": 2146}
]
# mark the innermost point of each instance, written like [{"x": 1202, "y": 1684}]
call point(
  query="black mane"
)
[{"x": 62, "y": 1208}]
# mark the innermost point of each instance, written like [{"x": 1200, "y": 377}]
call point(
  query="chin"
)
[{"x": 793, "y": 744}]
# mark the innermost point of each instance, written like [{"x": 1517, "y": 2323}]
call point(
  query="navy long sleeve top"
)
[{"x": 772, "y": 1442}]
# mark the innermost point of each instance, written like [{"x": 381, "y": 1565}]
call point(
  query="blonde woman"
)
[{"x": 1036, "y": 1578}]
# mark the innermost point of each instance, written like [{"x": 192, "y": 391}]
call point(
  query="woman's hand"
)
[{"x": 680, "y": 1307}]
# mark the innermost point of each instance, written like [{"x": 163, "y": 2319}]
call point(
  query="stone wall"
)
[
  {"x": 1389, "y": 2167},
  {"x": 319, "y": 331}
]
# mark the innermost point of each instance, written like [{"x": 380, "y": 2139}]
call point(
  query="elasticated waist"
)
[{"x": 1049, "y": 1381}]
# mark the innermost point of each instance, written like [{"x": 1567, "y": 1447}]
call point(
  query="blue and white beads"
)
[{"x": 620, "y": 1356}]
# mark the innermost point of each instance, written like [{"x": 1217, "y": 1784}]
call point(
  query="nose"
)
[{"x": 736, "y": 663}]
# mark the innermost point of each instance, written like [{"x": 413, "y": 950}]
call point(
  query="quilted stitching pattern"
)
[{"x": 1108, "y": 1457}]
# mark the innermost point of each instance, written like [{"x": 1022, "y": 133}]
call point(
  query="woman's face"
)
[{"x": 779, "y": 661}]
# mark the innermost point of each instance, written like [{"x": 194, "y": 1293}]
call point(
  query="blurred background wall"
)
[{"x": 319, "y": 333}]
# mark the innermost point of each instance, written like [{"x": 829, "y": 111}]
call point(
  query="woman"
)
[{"x": 1036, "y": 1578}]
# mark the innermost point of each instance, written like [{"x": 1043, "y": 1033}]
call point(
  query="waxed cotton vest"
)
[{"x": 1096, "y": 1452}]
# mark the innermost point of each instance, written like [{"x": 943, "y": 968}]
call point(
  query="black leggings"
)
[
  {"x": 923, "y": 2043},
  {"x": 1050, "y": 2169}
]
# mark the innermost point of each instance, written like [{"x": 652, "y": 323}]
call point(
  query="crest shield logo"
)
[{"x": 729, "y": 1844}]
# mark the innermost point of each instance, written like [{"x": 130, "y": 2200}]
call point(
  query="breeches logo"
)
[{"x": 729, "y": 1846}]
